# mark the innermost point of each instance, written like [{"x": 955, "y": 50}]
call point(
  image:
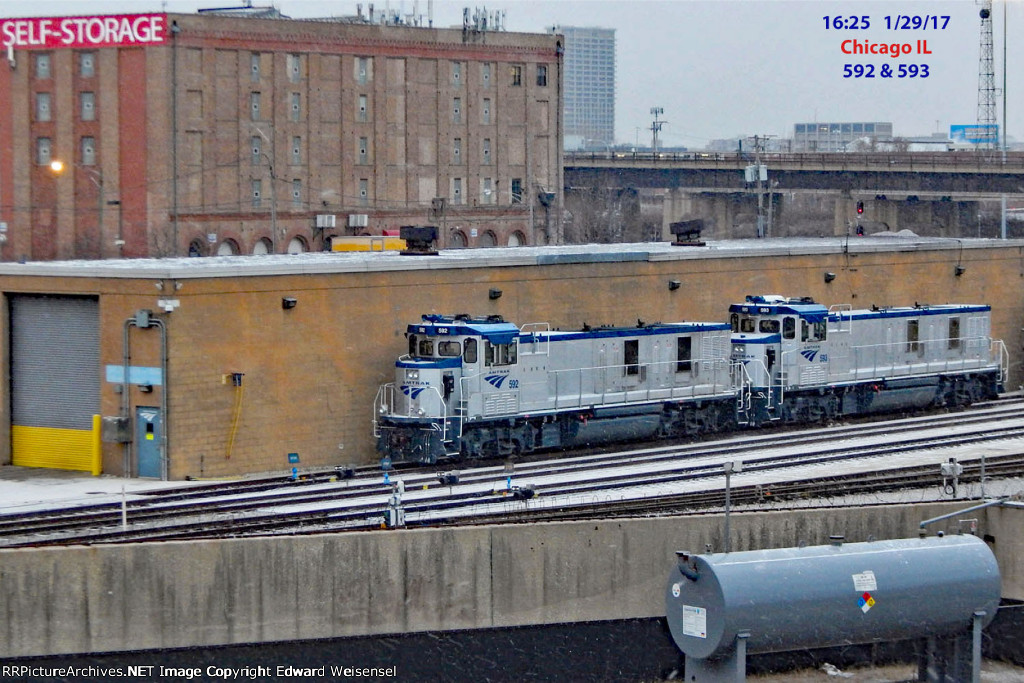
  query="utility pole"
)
[
  {"x": 656, "y": 127},
  {"x": 758, "y": 173}
]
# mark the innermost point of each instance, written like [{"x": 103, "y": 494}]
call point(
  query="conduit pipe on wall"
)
[{"x": 144, "y": 319}]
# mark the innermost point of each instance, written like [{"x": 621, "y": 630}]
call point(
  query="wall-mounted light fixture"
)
[
  {"x": 494, "y": 294},
  {"x": 829, "y": 277},
  {"x": 959, "y": 270},
  {"x": 289, "y": 302},
  {"x": 673, "y": 285}
]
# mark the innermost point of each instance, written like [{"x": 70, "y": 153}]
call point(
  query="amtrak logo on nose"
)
[
  {"x": 809, "y": 354},
  {"x": 412, "y": 392},
  {"x": 496, "y": 380}
]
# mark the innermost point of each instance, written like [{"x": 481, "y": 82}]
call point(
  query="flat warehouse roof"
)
[{"x": 356, "y": 262}]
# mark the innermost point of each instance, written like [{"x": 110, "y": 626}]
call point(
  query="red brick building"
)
[{"x": 222, "y": 134}]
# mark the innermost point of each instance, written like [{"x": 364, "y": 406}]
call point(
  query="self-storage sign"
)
[{"x": 47, "y": 33}]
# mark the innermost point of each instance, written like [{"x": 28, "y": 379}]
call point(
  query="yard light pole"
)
[{"x": 96, "y": 176}]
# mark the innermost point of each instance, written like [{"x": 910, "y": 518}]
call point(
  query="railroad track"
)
[{"x": 317, "y": 504}]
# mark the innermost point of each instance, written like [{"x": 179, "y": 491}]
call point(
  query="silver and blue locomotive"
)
[
  {"x": 483, "y": 387},
  {"x": 806, "y": 363}
]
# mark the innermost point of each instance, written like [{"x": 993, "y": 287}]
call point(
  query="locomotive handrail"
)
[
  {"x": 907, "y": 362},
  {"x": 838, "y": 310},
  {"x": 1004, "y": 359},
  {"x": 535, "y": 329},
  {"x": 384, "y": 398},
  {"x": 701, "y": 366}
]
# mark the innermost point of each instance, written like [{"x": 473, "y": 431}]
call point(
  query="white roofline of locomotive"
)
[{"x": 315, "y": 263}]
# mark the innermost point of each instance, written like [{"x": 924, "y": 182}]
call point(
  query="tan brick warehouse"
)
[{"x": 311, "y": 372}]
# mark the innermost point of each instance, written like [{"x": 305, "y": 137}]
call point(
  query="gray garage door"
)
[{"x": 55, "y": 379}]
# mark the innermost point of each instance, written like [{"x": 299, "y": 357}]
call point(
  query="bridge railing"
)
[{"x": 960, "y": 160}]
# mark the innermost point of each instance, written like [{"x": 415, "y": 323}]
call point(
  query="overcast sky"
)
[{"x": 721, "y": 69}]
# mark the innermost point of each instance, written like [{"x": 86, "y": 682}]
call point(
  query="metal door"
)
[
  {"x": 54, "y": 380},
  {"x": 148, "y": 429}
]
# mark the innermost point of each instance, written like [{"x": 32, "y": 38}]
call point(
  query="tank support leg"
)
[
  {"x": 976, "y": 647},
  {"x": 729, "y": 669}
]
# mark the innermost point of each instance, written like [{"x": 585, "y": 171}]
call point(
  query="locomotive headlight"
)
[
  {"x": 420, "y": 411},
  {"x": 412, "y": 374}
]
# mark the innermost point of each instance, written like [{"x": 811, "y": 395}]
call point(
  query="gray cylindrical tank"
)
[{"x": 820, "y": 596}]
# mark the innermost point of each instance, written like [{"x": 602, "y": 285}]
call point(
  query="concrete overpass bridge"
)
[{"x": 928, "y": 192}]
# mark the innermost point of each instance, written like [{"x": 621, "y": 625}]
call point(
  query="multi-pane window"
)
[
  {"x": 254, "y": 65},
  {"x": 363, "y": 113},
  {"x": 913, "y": 335},
  {"x": 516, "y": 73},
  {"x": 257, "y": 193},
  {"x": 485, "y": 74},
  {"x": 42, "y": 62},
  {"x": 44, "y": 148},
  {"x": 88, "y": 151},
  {"x": 456, "y": 190},
  {"x": 684, "y": 354},
  {"x": 364, "y": 151},
  {"x": 254, "y": 105},
  {"x": 296, "y": 107},
  {"x": 257, "y": 149},
  {"x": 485, "y": 111},
  {"x": 296, "y": 150},
  {"x": 486, "y": 152},
  {"x": 364, "y": 191},
  {"x": 457, "y": 151},
  {"x": 517, "y": 190},
  {"x": 456, "y": 73},
  {"x": 542, "y": 75},
  {"x": 500, "y": 354},
  {"x": 457, "y": 110},
  {"x": 362, "y": 70},
  {"x": 43, "y": 111},
  {"x": 294, "y": 68},
  {"x": 631, "y": 357},
  {"x": 87, "y": 64},
  {"x": 87, "y": 102},
  {"x": 297, "y": 193},
  {"x": 488, "y": 192}
]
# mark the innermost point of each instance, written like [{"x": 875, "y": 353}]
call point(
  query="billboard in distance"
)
[{"x": 975, "y": 134}]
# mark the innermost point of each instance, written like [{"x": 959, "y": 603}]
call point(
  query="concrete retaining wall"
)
[{"x": 168, "y": 595}]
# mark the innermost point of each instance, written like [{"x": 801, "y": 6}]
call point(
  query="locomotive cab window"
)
[
  {"x": 789, "y": 328},
  {"x": 747, "y": 325},
  {"x": 426, "y": 348},
  {"x": 449, "y": 349},
  {"x": 769, "y": 326},
  {"x": 469, "y": 351},
  {"x": 684, "y": 357},
  {"x": 499, "y": 354},
  {"x": 954, "y": 333},
  {"x": 734, "y": 319},
  {"x": 813, "y": 332}
]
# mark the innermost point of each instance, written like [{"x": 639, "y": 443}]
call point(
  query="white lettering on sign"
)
[
  {"x": 865, "y": 582},
  {"x": 76, "y": 32}
]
